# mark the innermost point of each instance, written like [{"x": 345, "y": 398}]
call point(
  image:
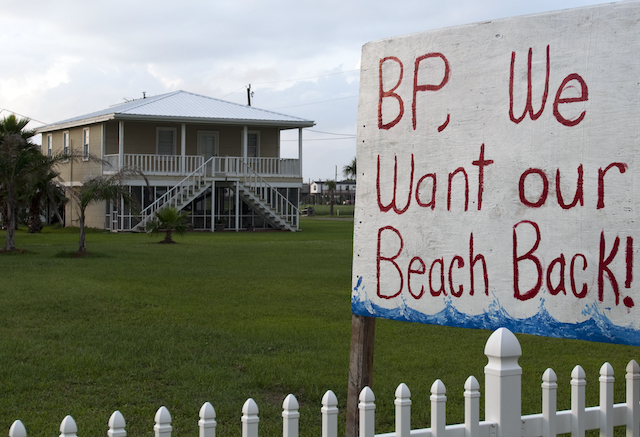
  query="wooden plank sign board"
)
[{"x": 499, "y": 176}]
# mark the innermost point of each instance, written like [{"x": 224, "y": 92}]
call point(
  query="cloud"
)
[{"x": 69, "y": 57}]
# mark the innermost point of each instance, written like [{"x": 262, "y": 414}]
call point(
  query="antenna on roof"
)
[
  {"x": 249, "y": 95},
  {"x": 144, "y": 94}
]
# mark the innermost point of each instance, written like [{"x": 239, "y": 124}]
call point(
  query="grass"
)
[
  {"x": 338, "y": 210},
  {"x": 221, "y": 317}
]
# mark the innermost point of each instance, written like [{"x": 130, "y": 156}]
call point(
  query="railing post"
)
[
  {"x": 250, "y": 419},
  {"x": 163, "y": 427},
  {"x": 367, "y": 408},
  {"x": 116, "y": 425},
  {"x": 471, "y": 407},
  {"x": 403, "y": 411},
  {"x": 207, "y": 422},
  {"x": 68, "y": 427},
  {"x": 633, "y": 399},
  {"x": 503, "y": 383},
  {"x": 606, "y": 400},
  {"x": 438, "y": 409},
  {"x": 329, "y": 414},
  {"x": 17, "y": 429},
  {"x": 549, "y": 403},
  {"x": 578, "y": 386},
  {"x": 290, "y": 416}
]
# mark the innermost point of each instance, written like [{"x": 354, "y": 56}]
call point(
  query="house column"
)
[
  {"x": 183, "y": 141},
  {"x": 245, "y": 142},
  {"x": 120, "y": 144},
  {"x": 237, "y": 206},
  {"x": 300, "y": 151}
]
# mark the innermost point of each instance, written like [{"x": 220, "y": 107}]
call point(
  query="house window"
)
[
  {"x": 49, "y": 145},
  {"x": 253, "y": 144},
  {"x": 166, "y": 141},
  {"x": 85, "y": 144},
  {"x": 65, "y": 142}
]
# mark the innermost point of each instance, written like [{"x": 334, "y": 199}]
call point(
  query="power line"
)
[
  {"x": 20, "y": 115},
  {"x": 292, "y": 80},
  {"x": 314, "y": 103}
]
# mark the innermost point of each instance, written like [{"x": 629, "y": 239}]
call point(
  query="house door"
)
[{"x": 207, "y": 144}]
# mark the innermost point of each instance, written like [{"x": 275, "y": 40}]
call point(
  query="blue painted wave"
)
[{"x": 596, "y": 328}]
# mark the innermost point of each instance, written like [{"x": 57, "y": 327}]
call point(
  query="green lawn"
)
[{"x": 222, "y": 317}]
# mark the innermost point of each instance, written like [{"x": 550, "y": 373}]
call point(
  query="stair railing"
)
[
  {"x": 171, "y": 197},
  {"x": 270, "y": 195}
]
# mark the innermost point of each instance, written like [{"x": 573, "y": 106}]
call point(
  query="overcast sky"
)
[{"x": 66, "y": 58}]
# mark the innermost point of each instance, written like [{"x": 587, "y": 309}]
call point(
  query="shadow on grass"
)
[{"x": 76, "y": 254}]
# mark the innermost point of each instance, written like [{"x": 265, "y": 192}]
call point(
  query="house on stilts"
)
[{"x": 217, "y": 160}]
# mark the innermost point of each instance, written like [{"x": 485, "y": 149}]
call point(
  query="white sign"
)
[{"x": 499, "y": 176}]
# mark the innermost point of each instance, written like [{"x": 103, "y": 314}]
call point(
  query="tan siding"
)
[
  {"x": 269, "y": 143},
  {"x": 111, "y": 140}
]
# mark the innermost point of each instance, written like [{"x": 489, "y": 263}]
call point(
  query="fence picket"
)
[
  {"x": 68, "y": 427},
  {"x": 633, "y": 399},
  {"x": 116, "y": 425},
  {"x": 207, "y": 422},
  {"x": 549, "y": 403},
  {"x": 367, "y": 408},
  {"x": 578, "y": 389},
  {"x": 403, "y": 410},
  {"x": 606, "y": 400},
  {"x": 290, "y": 416},
  {"x": 163, "y": 427},
  {"x": 329, "y": 414},
  {"x": 250, "y": 419},
  {"x": 17, "y": 429},
  {"x": 471, "y": 407},
  {"x": 438, "y": 409}
]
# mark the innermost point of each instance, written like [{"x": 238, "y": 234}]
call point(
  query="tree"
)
[
  {"x": 19, "y": 160},
  {"x": 168, "y": 220},
  {"x": 349, "y": 171},
  {"x": 331, "y": 188},
  {"x": 99, "y": 188}
]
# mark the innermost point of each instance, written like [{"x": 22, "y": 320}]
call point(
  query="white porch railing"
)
[
  {"x": 172, "y": 165},
  {"x": 169, "y": 165},
  {"x": 502, "y": 407}
]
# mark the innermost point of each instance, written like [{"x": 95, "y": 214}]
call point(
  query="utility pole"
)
[{"x": 249, "y": 95}]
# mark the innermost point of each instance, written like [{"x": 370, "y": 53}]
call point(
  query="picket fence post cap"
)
[
  {"x": 329, "y": 399},
  {"x": 162, "y": 415},
  {"x": 549, "y": 375},
  {"x": 403, "y": 391},
  {"x": 438, "y": 388},
  {"x": 68, "y": 426},
  {"x": 17, "y": 429},
  {"x": 290, "y": 403},
  {"x": 471, "y": 383},
  {"x": 117, "y": 420},
  {"x": 250, "y": 407},
  {"x": 207, "y": 411},
  {"x": 633, "y": 367},
  {"x": 366, "y": 395},
  {"x": 502, "y": 343}
]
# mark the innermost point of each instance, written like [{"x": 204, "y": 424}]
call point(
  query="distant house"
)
[
  {"x": 345, "y": 191},
  {"x": 219, "y": 161}
]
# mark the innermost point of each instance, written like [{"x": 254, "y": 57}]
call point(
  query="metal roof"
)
[{"x": 183, "y": 107}]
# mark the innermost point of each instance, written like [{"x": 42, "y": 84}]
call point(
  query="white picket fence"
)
[{"x": 502, "y": 406}]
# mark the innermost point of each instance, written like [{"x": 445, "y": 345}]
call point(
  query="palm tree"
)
[
  {"x": 331, "y": 187},
  {"x": 101, "y": 188},
  {"x": 168, "y": 220},
  {"x": 19, "y": 160},
  {"x": 349, "y": 171}
]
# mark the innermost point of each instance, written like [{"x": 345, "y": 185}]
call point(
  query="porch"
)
[{"x": 183, "y": 165}]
